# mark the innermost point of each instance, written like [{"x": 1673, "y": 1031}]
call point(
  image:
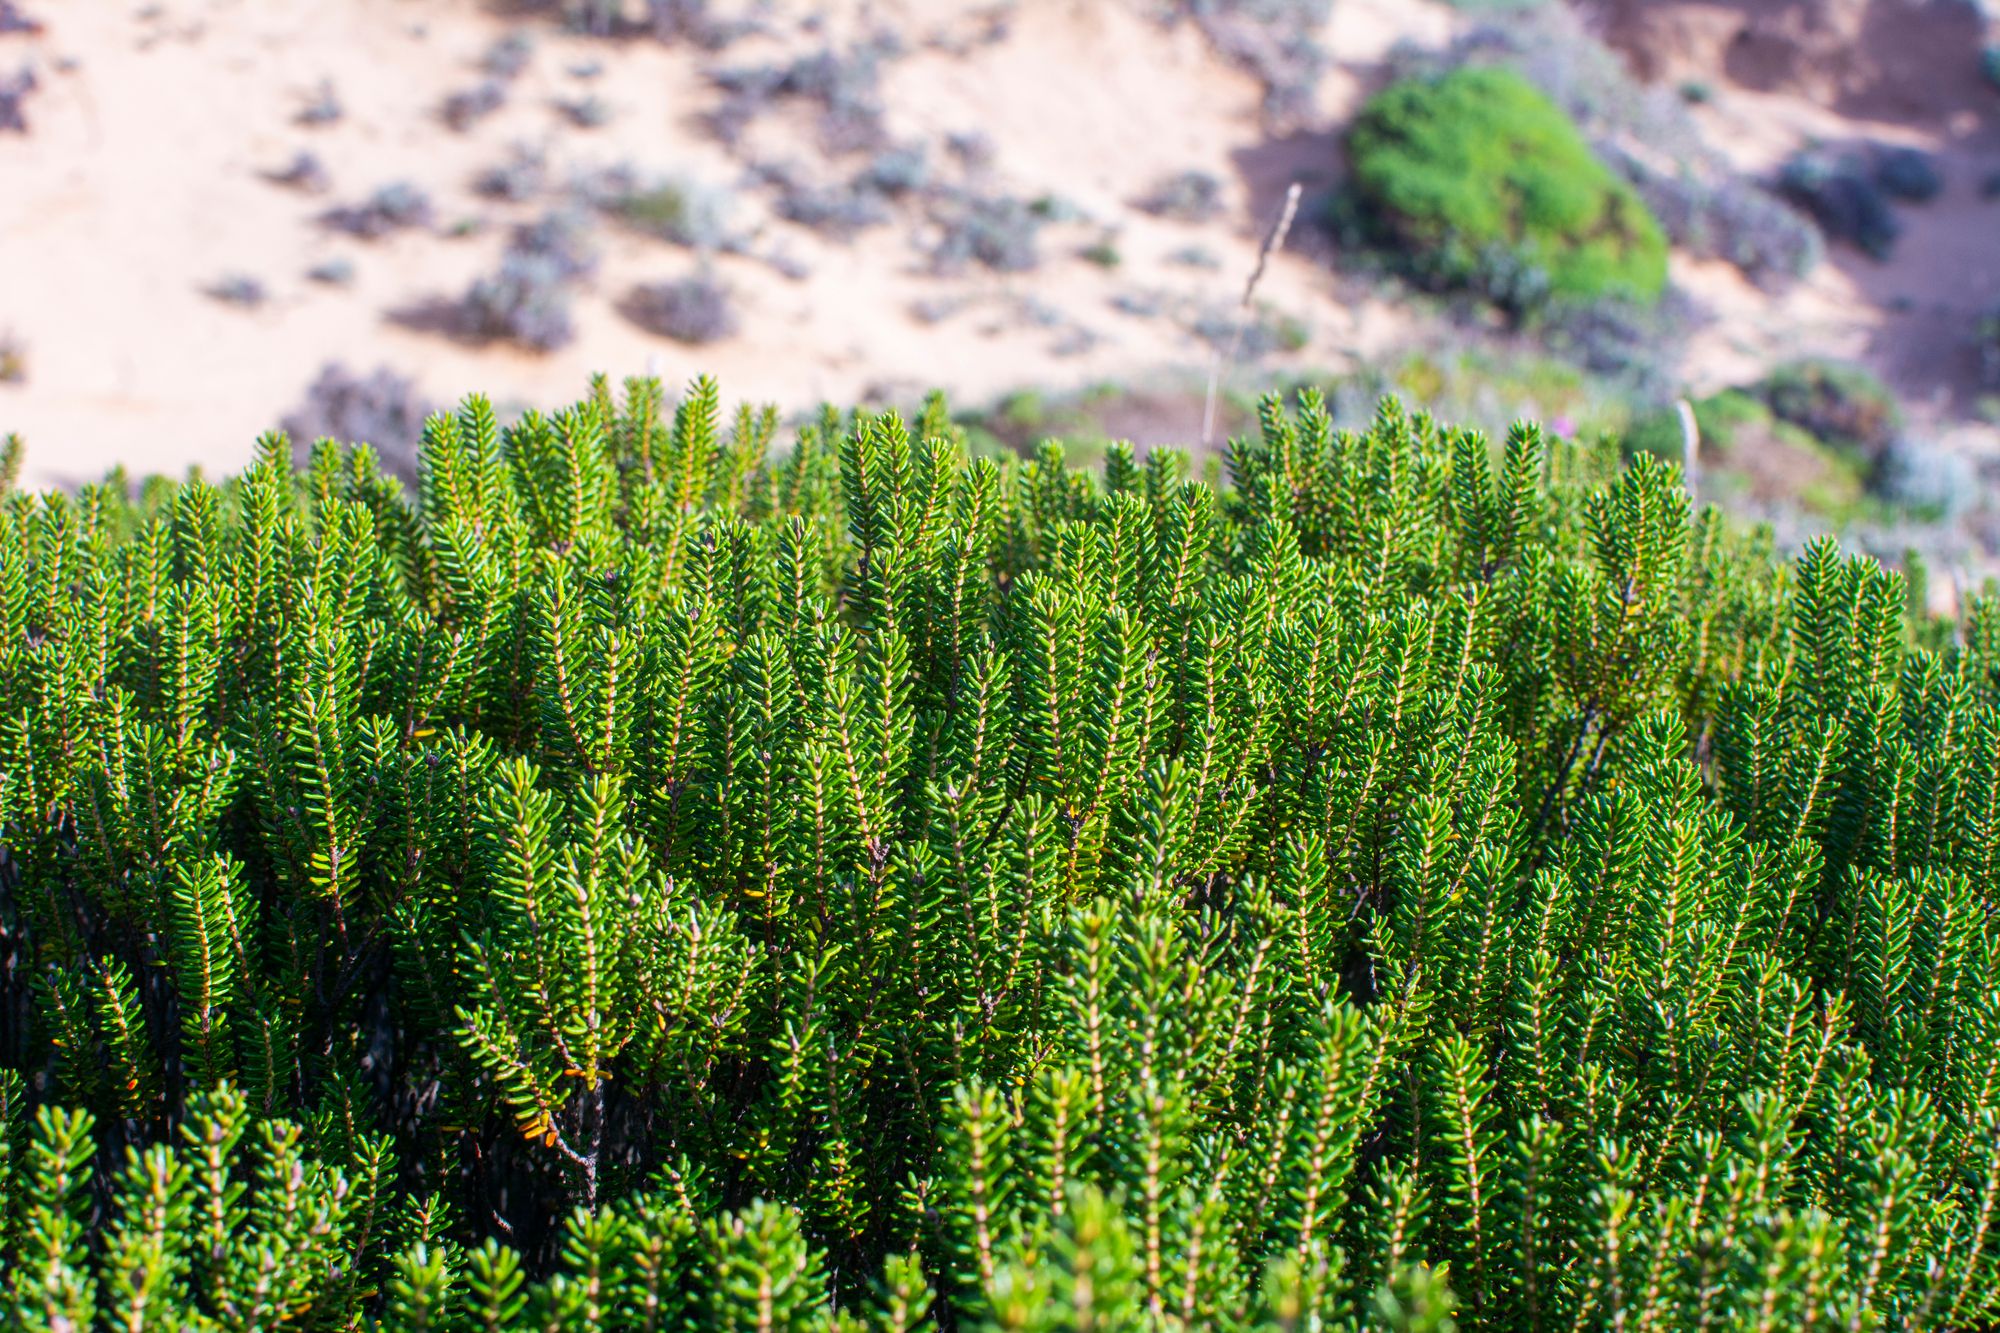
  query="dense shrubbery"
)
[
  {"x": 1841, "y": 404},
  {"x": 641, "y": 880},
  {"x": 1845, "y": 198},
  {"x": 695, "y": 309},
  {"x": 1476, "y": 178},
  {"x": 1717, "y": 216},
  {"x": 1909, "y": 174},
  {"x": 1824, "y": 430},
  {"x": 1644, "y": 133}
]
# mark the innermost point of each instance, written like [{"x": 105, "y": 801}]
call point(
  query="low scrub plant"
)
[
  {"x": 1832, "y": 403},
  {"x": 838, "y": 209},
  {"x": 323, "y": 107},
  {"x": 1752, "y": 460},
  {"x": 1925, "y": 478},
  {"x": 1278, "y": 42},
  {"x": 704, "y": 23},
  {"x": 1845, "y": 198},
  {"x": 465, "y": 108},
  {"x": 897, "y": 171},
  {"x": 380, "y": 408},
  {"x": 1841, "y": 405},
  {"x": 305, "y": 173},
  {"x": 15, "y": 20},
  {"x": 1643, "y": 132},
  {"x": 1909, "y": 174},
  {"x": 509, "y": 56},
  {"x": 15, "y": 90},
  {"x": 1714, "y": 215},
  {"x": 1186, "y": 196},
  {"x": 697, "y": 309},
  {"x": 707, "y": 24},
  {"x": 239, "y": 289},
  {"x": 845, "y": 85},
  {"x": 526, "y": 301},
  {"x": 679, "y": 209},
  {"x": 588, "y": 112},
  {"x": 335, "y": 272},
  {"x": 642, "y": 878},
  {"x": 521, "y": 176},
  {"x": 974, "y": 150},
  {"x": 395, "y": 207},
  {"x": 999, "y": 232},
  {"x": 1720, "y": 420},
  {"x": 1476, "y": 179}
]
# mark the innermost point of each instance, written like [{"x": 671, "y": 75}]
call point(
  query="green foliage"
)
[
  {"x": 1477, "y": 178},
  {"x": 1842, "y": 405},
  {"x": 1722, "y": 418},
  {"x": 646, "y": 880}
]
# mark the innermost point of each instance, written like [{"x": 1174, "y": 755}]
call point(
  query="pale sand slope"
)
[{"x": 142, "y": 184}]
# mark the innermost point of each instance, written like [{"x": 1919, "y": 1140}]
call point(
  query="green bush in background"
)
[
  {"x": 1477, "y": 178},
  {"x": 646, "y": 880},
  {"x": 1842, "y": 405}
]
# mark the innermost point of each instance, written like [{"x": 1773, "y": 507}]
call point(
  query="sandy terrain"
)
[
  {"x": 1836, "y": 72},
  {"x": 144, "y": 182}
]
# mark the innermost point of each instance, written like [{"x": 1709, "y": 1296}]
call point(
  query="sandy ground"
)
[
  {"x": 1789, "y": 73},
  {"x": 144, "y": 182}
]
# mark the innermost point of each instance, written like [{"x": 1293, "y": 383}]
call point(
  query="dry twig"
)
[{"x": 1274, "y": 240}]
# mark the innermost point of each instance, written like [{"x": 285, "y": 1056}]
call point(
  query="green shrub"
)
[
  {"x": 1841, "y": 405},
  {"x": 1844, "y": 198},
  {"x": 643, "y": 880},
  {"x": 1720, "y": 417},
  {"x": 1704, "y": 205},
  {"x": 1749, "y": 454},
  {"x": 681, "y": 211},
  {"x": 1478, "y": 178},
  {"x": 1909, "y": 174}
]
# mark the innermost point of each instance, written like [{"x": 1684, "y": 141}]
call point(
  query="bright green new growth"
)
[
  {"x": 1478, "y": 178},
  {"x": 647, "y": 881}
]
